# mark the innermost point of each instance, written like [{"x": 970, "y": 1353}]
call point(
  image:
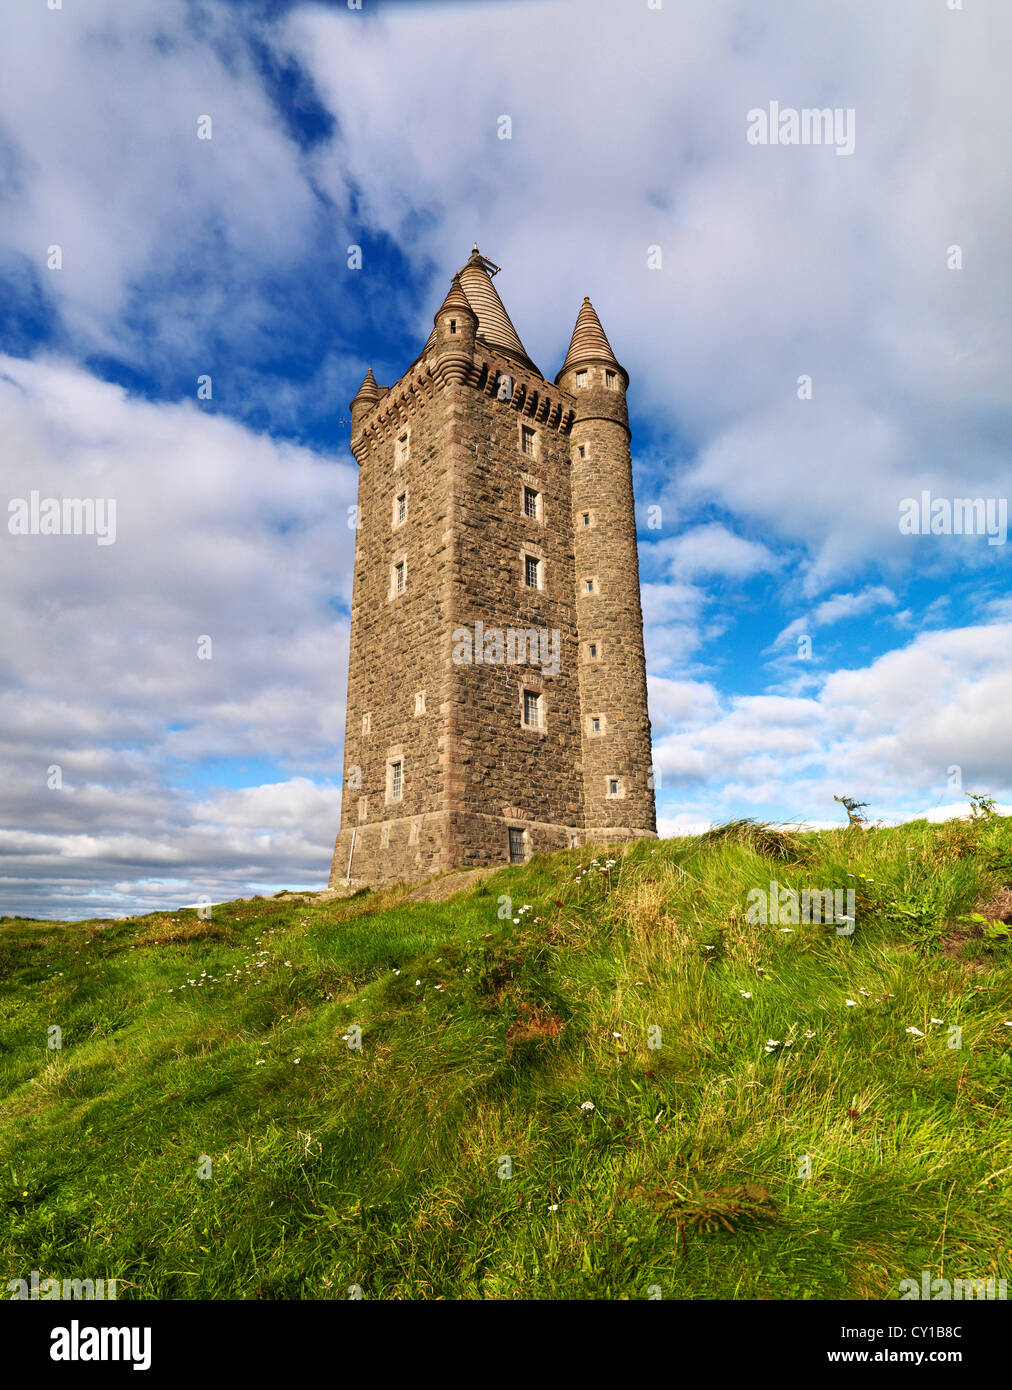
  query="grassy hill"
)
[{"x": 526, "y": 1035}]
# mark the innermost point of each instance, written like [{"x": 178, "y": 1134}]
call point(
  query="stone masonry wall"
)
[
  {"x": 507, "y": 770},
  {"x": 612, "y": 662},
  {"x": 396, "y": 642},
  {"x": 471, "y": 769}
]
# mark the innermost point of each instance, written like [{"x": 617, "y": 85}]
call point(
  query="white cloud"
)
[
  {"x": 836, "y": 609},
  {"x": 99, "y": 107},
  {"x": 220, "y": 532},
  {"x": 891, "y": 733},
  {"x": 713, "y": 550}
]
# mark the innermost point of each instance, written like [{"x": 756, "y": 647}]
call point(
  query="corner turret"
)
[
  {"x": 592, "y": 373},
  {"x": 452, "y": 341},
  {"x": 618, "y": 784},
  {"x": 364, "y": 399}
]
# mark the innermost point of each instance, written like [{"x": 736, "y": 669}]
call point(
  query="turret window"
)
[
  {"x": 453, "y": 325},
  {"x": 581, "y": 451},
  {"x": 609, "y": 380},
  {"x": 586, "y": 518},
  {"x": 581, "y": 380}
]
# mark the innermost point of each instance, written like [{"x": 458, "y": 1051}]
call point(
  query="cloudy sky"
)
[{"x": 799, "y": 645}]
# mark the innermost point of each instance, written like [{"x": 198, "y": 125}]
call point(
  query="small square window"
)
[
  {"x": 532, "y": 572},
  {"x": 395, "y": 781},
  {"x": 399, "y": 569},
  {"x": 532, "y": 709},
  {"x": 581, "y": 379},
  {"x": 609, "y": 379},
  {"x": 517, "y": 855},
  {"x": 526, "y": 439},
  {"x": 530, "y": 502},
  {"x": 402, "y": 508}
]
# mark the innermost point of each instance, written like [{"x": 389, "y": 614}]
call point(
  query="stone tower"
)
[{"x": 496, "y": 680}]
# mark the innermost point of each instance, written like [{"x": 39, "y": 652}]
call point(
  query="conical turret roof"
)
[
  {"x": 368, "y": 391},
  {"x": 589, "y": 343},
  {"x": 455, "y": 299},
  {"x": 494, "y": 326}
]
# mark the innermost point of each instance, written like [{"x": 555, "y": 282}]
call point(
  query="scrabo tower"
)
[{"x": 496, "y": 683}]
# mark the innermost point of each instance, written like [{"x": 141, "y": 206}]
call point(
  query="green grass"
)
[{"x": 332, "y": 1167}]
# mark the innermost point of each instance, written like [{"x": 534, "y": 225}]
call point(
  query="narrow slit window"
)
[
  {"x": 402, "y": 508},
  {"x": 399, "y": 577},
  {"x": 395, "y": 781}
]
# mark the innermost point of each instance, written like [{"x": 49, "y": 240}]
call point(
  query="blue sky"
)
[{"x": 774, "y": 517}]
